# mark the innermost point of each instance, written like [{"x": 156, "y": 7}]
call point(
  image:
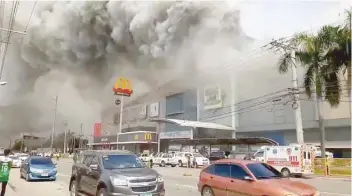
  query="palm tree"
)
[{"x": 325, "y": 56}]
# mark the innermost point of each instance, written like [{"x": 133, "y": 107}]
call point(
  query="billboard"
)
[
  {"x": 97, "y": 130},
  {"x": 123, "y": 87},
  {"x": 136, "y": 137},
  {"x": 212, "y": 98}
]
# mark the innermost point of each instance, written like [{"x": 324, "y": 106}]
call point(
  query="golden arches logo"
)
[
  {"x": 123, "y": 87},
  {"x": 148, "y": 136}
]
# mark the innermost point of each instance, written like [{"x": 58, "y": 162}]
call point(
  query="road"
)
[{"x": 175, "y": 181}]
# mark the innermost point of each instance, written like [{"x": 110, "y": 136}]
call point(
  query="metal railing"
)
[{"x": 333, "y": 166}]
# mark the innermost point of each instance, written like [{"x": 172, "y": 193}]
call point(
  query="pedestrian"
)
[
  {"x": 5, "y": 167},
  {"x": 75, "y": 156},
  {"x": 188, "y": 161}
]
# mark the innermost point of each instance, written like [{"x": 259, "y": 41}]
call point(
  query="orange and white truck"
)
[{"x": 290, "y": 160}]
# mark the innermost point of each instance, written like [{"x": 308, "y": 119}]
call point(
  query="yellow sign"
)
[
  {"x": 136, "y": 137},
  {"x": 123, "y": 87},
  {"x": 148, "y": 136}
]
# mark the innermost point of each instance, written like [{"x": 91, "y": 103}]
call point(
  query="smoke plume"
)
[{"x": 77, "y": 50}]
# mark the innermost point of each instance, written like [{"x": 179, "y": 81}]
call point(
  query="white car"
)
[
  {"x": 145, "y": 157},
  {"x": 181, "y": 159},
  {"x": 16, "y": 161},
  {"x": 163, "y": 159},
  {"x": 23, "y": 157}
]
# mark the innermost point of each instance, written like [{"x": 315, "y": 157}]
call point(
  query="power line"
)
[
  {"x": 11, "y": 22},
  {"x": 29, "y": 19}
]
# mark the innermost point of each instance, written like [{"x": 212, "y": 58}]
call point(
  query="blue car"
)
[{"x": 38, "y": 168}]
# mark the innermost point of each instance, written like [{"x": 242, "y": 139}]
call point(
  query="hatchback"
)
[
  {"x": 230, "y": 177},
  {"x": 38, "y": 168}
]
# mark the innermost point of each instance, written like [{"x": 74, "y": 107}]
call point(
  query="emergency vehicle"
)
[{"x": 293, "y": 159}]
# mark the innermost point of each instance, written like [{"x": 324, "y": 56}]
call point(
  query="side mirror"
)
[
  {"x": 93, "y": 167},
  {"x": 248, "y": 178}
]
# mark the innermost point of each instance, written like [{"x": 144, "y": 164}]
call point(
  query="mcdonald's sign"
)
[
  {"x": 148, "y": 136},
  {"x": 123, "y": 87}
]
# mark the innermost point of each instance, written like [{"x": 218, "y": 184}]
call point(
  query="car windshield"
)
[
  {"x": 263, "y": 171},
  {"x": 41, "y": 162},
  {"x": 122, "y": 162}
]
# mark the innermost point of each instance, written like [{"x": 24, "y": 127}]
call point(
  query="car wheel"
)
[
  {"x": 180, "y": 163},
  {"x": 73, "y": 188},
  {"x": 285, "y": 172},
  {"x": 207, "y": 191},
  {"x": 102, "y": 192},
  {"x": 173, "y": 165},
  {"x": 162, "y": 164}
]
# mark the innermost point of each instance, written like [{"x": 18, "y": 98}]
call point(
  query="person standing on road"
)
[{"x": 5, "y": 167}]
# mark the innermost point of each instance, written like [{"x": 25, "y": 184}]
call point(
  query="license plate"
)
[
  {"x": 146, "y": 194},
  {"x": 44, "y": 174}
]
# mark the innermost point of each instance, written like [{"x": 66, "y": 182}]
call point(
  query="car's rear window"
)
[{"x": 41, "y": 162}]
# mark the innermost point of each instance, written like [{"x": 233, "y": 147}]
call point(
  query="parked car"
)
[
  {"x": 16, "y": 161},
  {"x": 113, "y": 172},
  {"x": 245, "y": 177},
  {"x": 214, "y": 156},
  {"x": 38, "y": 168},
  {"x": 23, "y": 156},
  {"x": 164, "y": 159}
]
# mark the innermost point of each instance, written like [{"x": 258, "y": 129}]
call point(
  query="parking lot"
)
[{"x": 178, "y": 181}]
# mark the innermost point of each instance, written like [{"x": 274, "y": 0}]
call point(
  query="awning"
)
[
  {"x": 226, "y": 141},
  {"x": 188, "y": 123}
]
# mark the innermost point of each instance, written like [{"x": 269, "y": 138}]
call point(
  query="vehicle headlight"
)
[
  {"x": 54, "y": 170},
  {"x": 118, "y": 181},
  {"x": 160, "y": 179},
  {"x": 34, "y": 170}
]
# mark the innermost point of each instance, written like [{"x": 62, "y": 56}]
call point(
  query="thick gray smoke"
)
[{"x": 78, "y": 49}]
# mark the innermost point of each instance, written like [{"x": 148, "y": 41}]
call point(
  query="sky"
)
[{"x": 267, "y": 19}]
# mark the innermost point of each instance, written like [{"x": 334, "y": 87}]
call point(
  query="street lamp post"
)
[
  {"x": 65, "y": 140},
  {"x": 54, "y": 125}
]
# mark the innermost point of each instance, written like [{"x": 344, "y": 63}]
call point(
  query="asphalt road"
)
[{"x": 176, "y": 183}]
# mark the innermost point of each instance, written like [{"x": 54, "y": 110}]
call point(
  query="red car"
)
[{"x": 230, "y": 177}]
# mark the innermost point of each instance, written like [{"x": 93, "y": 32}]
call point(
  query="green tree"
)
[{"x": 326, "y": 56}]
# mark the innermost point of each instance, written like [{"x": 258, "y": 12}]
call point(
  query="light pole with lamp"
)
[{"x": 122, "y": 88}]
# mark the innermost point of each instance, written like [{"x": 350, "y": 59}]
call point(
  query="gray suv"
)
[{"x": 112, "y": 173}]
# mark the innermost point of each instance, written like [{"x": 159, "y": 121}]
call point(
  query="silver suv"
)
[{"x": 112, "y": 173}]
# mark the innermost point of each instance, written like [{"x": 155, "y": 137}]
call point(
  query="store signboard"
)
[
  {"x": 138, "y": 137},
  {"x": 154, "y": 110},
  {"x": 212, "y": 98},
  {"x": 176, "y": 135}
]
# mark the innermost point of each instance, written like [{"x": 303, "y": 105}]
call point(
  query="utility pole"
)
[
  {"x": 120, "y": 123},
  {"x": 54, "y": 125},
  {"x": 65, "y": 140},
  {"x": 80, "y": 136},
  {"x": 22, "y": 141},
  {"x": 283, "y": 45}
]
